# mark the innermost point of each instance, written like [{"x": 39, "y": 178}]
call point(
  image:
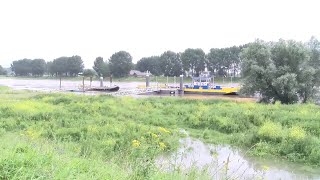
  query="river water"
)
[
  {"x": 224, "y": 162},
  {"x": 67, "y": 85},
  {"x": 54, "y": 85}
]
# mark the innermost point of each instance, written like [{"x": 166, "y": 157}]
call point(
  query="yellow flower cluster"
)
[
  {"x": 93, "y": 129},
  {"x": 136, "y": 143},
  {"x": 164, "y": 130},
  {"x": 297, "y": 133},
  {"x": 265, "y": 168},
  {"x": 154, "y": 136},
  {"x": 271, "y": 130},
  {"x": 31, "y": 134},
  {"x": 162, "y": 145}
]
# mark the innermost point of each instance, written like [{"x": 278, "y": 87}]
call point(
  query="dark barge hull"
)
[{"x": 105, "y": 89}]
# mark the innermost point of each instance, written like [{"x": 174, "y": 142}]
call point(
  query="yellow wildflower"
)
[
  {"x": 32, "y": 134},
  {"x": 265, "y": 168},
  {"x": 136, "y": 143},
  {"x": 164, "y": 130},
  {"x": 297, "y": 133},
  {"x": 93, "y": 129},
  {"x": 162, "y": 146},
  {"x": 154, "y": 135}
]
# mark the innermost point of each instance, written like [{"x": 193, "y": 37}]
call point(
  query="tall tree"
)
[
  {"x": 101, "y": 67},
  {"x": 309, "y": 88},
  {"x": 22, "y": 67},
  {"x": 120, "y": 64},
  {"x": 171, "y": 64},
  {"x": 2, "y": 71},
  {"x": 89, "y": 73},
  {"x": 213, "y": 60},
  {"x": 49, "y": 68},
  {"x": 152, "y": 64},
  {"x": 68, "y": 66},
  {"x": 60, "y": 66},
  {"x": 279, "y": 71},
  {"x": 234, "y": 65},
  {"x": 194, "y": 60},
  {"x": 74, "y": 65},
  {"x": 97, "y": 65},
  {"x": 38, "y": 67}
]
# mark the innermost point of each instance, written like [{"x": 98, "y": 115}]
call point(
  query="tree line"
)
[
  {"x": 64, "y": 66},
  {"x": 220, "y": 61},
  {"x": 287, "y": 71},
  {"x": 118, "y": 65},
  {"x": 26, "y": 67}
]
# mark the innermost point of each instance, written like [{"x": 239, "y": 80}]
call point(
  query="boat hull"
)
[
  {"x": 224, "y": 91},
  {"x": 105, "y": 89}
]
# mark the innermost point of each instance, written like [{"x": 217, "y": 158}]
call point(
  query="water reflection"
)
[{"x": 224, "y": 162}]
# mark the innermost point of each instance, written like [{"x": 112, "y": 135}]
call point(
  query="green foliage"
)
[
  {"x": 101, "y": 67},
  {"x": 152, "y": 64},
  {"x": 224, "y": 60},
  {"x": 120, "y": 64},
  {"x": 279, "y": 71},
  {"x": 67, "y": 66},
  {"x": 270, "y": 131},
  {"x": 22, "y": 67},
  {"x": 108, "y": 137},
  {"x": 2, "y": 71},
  {"x": 26, "y": 67},
  {"x": 171, "y": 64},
  {"x": 38, "y": 67},
  {"x": 194, "y": 60},
  {"x": 89, "y": 73}
]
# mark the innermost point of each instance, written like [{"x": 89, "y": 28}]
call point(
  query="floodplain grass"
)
[{"x": 65, "y": 136}]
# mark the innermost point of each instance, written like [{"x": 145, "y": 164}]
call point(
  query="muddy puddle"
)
[{"x": 224, "y": 162}]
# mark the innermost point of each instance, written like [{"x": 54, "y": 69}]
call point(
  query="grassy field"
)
[
  {"x": 159, "y": 79},
  {"x": 64, "y": 136}
]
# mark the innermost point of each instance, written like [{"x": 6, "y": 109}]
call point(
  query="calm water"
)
[
  {"x": 67, "y": 85},
  {"x": 214, "y": 160}
]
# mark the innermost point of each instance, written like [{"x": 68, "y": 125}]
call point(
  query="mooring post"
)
[
  {"x": 110, "y": 79},
  {"x": 60, "y": 83},
  {"x": 212, "y": 81},
  {"x": 83, "y": 84},
  {"x": 147, "y": 80},
  {"x": 101, "y": 81},
  {"x": 157, "y": 82},
  {"x": 181, "y": 84}
]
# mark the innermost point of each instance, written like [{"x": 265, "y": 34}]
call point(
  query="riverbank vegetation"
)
[
  {"x": 285, "y": 71},
  {"x": 67, "y": 136}
]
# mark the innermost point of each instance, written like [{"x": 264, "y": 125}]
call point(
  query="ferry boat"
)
[{"x": 204, "y": 84}]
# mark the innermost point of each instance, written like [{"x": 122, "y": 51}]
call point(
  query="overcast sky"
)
[{"x": 52, "y": 28}]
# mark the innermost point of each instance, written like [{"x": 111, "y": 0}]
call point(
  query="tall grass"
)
[{"x": 65, "y": 136}]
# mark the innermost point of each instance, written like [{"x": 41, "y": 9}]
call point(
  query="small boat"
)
[
  {"x": 105, "y": 88},
  {"x": 205, "y": 85}
]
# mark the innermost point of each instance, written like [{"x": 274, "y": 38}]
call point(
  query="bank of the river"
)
[{"x": 103, "y": 137}]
